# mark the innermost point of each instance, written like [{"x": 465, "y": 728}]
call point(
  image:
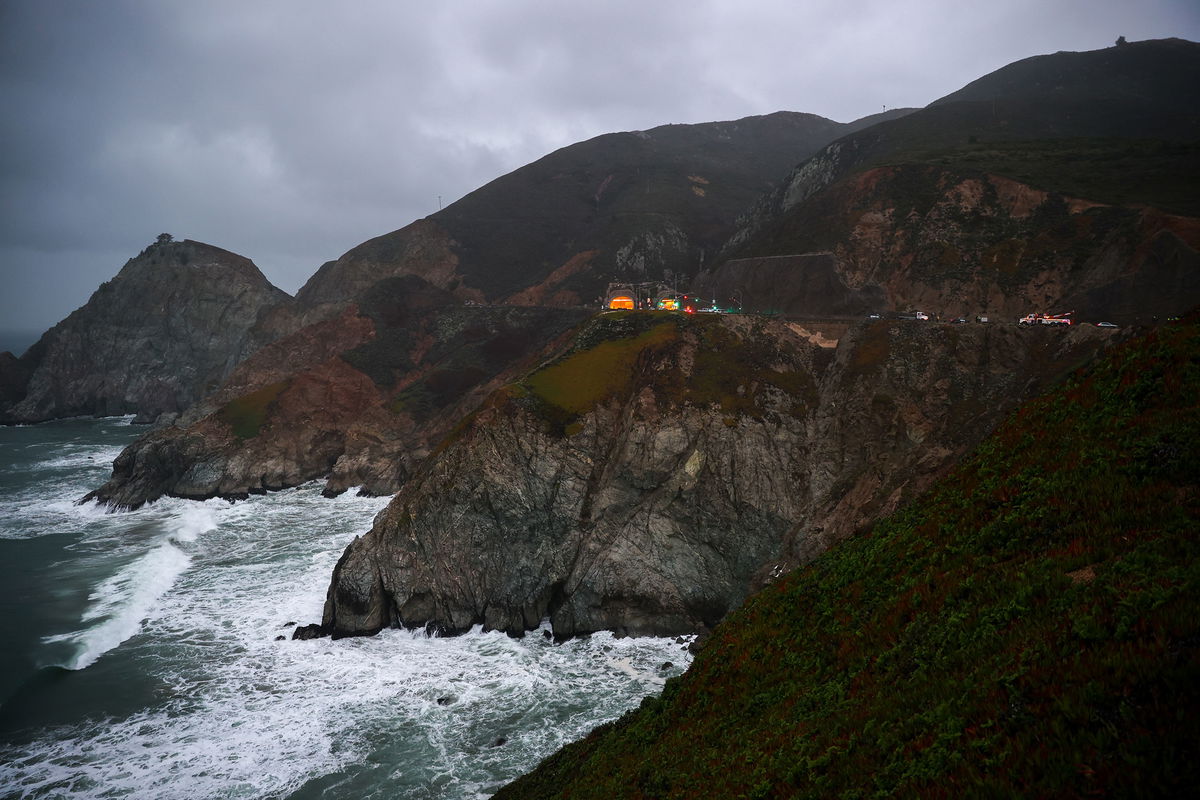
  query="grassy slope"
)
[
  {"x": 246, "y": 414},
  {"x": 1030, "y": 627},
  {"x": 1115, "y": 125},
  {"x": 1150, "y": 172},
  {"x": 620, "y": 351}
]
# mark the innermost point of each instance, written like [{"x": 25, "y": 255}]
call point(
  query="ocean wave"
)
[
  {"x": 84, "y": 457},
  {"x": 122, "y": 602},
  {"x": 205, "y": 598}
]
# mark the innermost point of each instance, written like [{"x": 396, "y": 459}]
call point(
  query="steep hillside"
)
[
  {"x": 1114, "y": 126},
  {"x": 161, "y": 334},
  {"x": 643, "y": 205},
  {"x": 961, "y": 243},
  {"x": 1028, "y": 628},
  {"x": 357, "y": 399},
  {"x": 647, "y": 477}
]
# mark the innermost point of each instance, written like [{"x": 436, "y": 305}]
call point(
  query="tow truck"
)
[{"x": 1046, "y": 319}]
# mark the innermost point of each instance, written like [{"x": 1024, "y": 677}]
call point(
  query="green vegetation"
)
[
  {"x": 727, "y": 369},
  {"x": 1031, "y": 627},
  {"x": 731, "y": 371},
  {"x": 1152, "y": 172},
  {"x": 437, "y": 390},
  {"x": 588, "y": 375},
  {"x": 246, "y": 414}
]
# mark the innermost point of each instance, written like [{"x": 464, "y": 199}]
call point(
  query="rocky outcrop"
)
[
  {"x": 646, "y": 480},
  {"x": 423, "y": 248},
  {"x": 357, "y": 399},
  {"x": 165, "y": 331},
  {"x": 1021, "y": 629},
  {"x": 961, "y": 244}
]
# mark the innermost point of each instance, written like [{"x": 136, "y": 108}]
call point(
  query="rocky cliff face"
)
[
  {"x": 357, "y": 399},
  {"x": 644, "y": 481},
  {"x": 153, "y": 340},
  {"x": 1021, "y": 629},
  {"x": 962, "y": 244}
]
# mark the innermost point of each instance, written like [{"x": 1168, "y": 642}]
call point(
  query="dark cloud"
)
[{"x": 291, "y": 131}]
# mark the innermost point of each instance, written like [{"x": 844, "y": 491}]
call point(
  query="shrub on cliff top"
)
[
  {"x": 246, "y": 414},
  {"x": 600, "y": 369}
]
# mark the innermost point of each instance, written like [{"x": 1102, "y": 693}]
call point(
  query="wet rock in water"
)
[{"x": 313, "y": 631}]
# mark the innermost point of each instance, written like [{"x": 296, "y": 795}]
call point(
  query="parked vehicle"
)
[
  {"x": 1046, "y": 319},
  {"x": 1105, "y": 325}
]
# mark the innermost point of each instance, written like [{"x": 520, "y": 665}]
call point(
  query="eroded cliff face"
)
[
  {"x": 922, "y": 237},
  {"x": 357, "y": 399},
  {"x": 165, "y": 331},
  {"x": 649, "y": 478}
]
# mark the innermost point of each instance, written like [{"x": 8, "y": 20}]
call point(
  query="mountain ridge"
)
[
  {"x": 637, "y": 205},
  {"x": 157, "y": 337}
]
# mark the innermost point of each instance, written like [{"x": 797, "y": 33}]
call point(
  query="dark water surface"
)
[
  {"x": 17, "y": 341},
  {"x": 141, "y": 659}
]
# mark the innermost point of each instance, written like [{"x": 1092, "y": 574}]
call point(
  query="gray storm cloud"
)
[{"x": 291, "y": 131}]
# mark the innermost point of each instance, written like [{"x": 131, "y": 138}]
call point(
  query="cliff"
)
[
  {"x": 165, "y": 331},
  {"x": 333, "y": 395},
  {"x": 357, "y": 399},
  {"x": 1027, "y": 628},
  {"x": 662, "y": 466},
  {"x": 963, "y": 243}
]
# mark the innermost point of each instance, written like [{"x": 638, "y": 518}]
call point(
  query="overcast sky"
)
[{"x": 289, "y": 131}]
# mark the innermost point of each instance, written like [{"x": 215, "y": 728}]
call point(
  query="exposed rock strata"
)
[
  {"x": 958, "y": 244},
  {"x": 166, "y": 330},
  {"x": 357, "y": 399},
  {"x": 648, "y": 504}
]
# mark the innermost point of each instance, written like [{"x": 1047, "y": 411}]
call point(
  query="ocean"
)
[
  {"x": 147, "y": 654},
  {"x": 17, "y": 341}
]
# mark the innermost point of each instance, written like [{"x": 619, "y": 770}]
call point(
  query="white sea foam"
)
[
  {"x": 100, "y": 458},
  {"x": 123, "y": 602},
  {"x": 194, "y": 520},
  {"x": 120, "y": 604},
  {"x": 240, "y": 713}
]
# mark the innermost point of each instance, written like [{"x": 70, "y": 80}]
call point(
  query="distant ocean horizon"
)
[{"x": 17, "y": 341}]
